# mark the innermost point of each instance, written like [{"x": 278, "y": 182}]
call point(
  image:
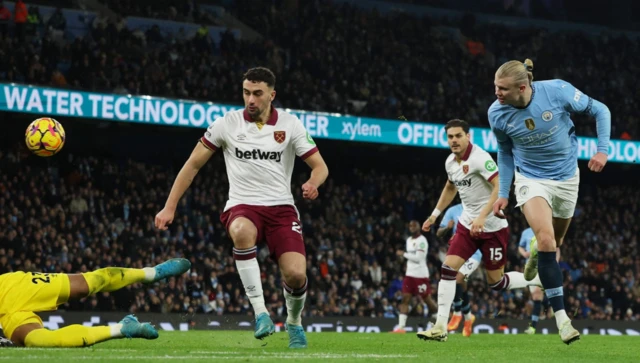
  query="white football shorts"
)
[
  {"x": 562, "y": 196},
  {"x": 469, "y": 267}
]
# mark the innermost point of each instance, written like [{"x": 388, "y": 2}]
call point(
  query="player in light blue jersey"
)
[
  {"x": 537, "y": 141},
  {"x": 461, "y": 303}
]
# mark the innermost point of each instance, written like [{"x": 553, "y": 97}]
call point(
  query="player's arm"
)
[
  {"x": 319, "y": 174},
  {"x": 448, "y": 193},
  {"x": 306, "y": 149},
  {"x": 506, "y": 163},
  {"x": 419, "y": 256},
  {"x": 575, "y": 101},
  {"x": 199, "y": 156},
  {"x": 523, "y": 252},
  {"x": 477, "y": 226},
  {"x": 443, "y": 230},
  {"x": 446, "y": 224},
  {"x": 488, "y": 208},
  {"x": 203, "y": 151}
]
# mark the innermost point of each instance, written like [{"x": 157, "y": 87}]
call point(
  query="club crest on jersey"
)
[
  {"x": 465, "y": 168},
  {"x": 547, "y": 116},
  {"x": 279, "y": 136},
  {"x": 530, "y": 124}
]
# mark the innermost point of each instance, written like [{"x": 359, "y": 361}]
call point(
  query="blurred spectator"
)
[
  {"x": 20, "y": 19},
  {"x": 5, "y": 18},
  {"x": 34, "y": 21},
  {"x": 57, "y": 24}
]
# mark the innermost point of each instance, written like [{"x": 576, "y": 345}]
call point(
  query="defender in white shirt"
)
[
  {"x": 472, "y": 173},
  {"x": 416, "y": 280},
  {"x": 259, "y": 145}
]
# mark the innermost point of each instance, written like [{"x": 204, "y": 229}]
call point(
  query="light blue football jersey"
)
[
  {"x": 539, "y": 141},
  {"x": 525, "y": 238}
]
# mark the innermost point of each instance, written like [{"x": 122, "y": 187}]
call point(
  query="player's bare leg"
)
[
  {"x": 244, "y": 235},
  {"x": 539, "y": 216},
  {"x": 293, "y": 267},
  {"x": 446, "y": 293},
  {"x": 404, "y": 311},
  {"x": 560, "y": 228},
  {"x": 103, "y": 280},
  {"x": 461, "y": 290}
]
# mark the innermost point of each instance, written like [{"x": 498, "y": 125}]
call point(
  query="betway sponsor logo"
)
[
  {"x": 462, "y": 183},
  {"x": 361, "y": 129},
  {"x": 256, "y": 154}
]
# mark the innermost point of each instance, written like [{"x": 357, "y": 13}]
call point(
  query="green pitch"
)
[{"x": 346, "y": 347}]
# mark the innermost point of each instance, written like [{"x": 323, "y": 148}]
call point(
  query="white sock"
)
[
  {"x": 467, "y": 316},
  {"x": 561, "y": 317},
  {"x": 115, "y": 331},
  {"x": 249, "y": 271},
  {"x": 517, "y": 281},
  {"x": 295, "y": 304},
  {"x": 457, "y": 313},
  {"x": 403, "y": 321},
  {"x": 149, "y": 274},
  {"x": 446, "y": 294}
]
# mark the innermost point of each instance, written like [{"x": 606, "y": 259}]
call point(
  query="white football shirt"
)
[
  {"x": 472, "y": 176},
  {"x": 416, "y": 255},
  {"x": 259, "y": 161}
]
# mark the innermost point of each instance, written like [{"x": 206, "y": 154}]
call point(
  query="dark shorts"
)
[
  {"x": 493, "y": 246},
  {"x": 278, "y": 225},
  {"x": 416, "y": 286}
]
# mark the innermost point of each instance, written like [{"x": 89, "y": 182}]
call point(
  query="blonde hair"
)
[{"x": 521, "y": 72}]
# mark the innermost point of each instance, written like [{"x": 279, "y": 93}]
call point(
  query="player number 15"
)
[{"x": 496, "y": 253}]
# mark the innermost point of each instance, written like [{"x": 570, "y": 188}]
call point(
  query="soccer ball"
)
[{"x": 44, "y": 137}]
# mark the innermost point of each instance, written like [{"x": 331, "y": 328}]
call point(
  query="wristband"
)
[{"x": 436, "y": 212}]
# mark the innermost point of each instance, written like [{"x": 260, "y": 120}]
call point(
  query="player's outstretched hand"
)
[
  {"x": 499, "y": 206},
  {"x": 597, "y": 162},
  {"x": 309, "y": 191},
  {"x": 426, "y": 226},
  {"x": 164, "y": 218}
]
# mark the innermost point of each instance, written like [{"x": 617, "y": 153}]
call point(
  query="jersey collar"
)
[
  {"x": 465, "y": 157},
  {"x": 273, "y": 117},
  {"x": 533, "y": 94}
]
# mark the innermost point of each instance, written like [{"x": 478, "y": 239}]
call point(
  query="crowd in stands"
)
[
  {"x": 97, "y": 212},
  {"x": 335, "y": 58},
  {"x": 188, "y": 11}
]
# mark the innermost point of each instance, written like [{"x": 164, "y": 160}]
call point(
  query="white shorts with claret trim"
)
[{"x": 469, "y": 267}]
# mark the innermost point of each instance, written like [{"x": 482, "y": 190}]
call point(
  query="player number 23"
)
[{"x": 496, "y": 253}]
